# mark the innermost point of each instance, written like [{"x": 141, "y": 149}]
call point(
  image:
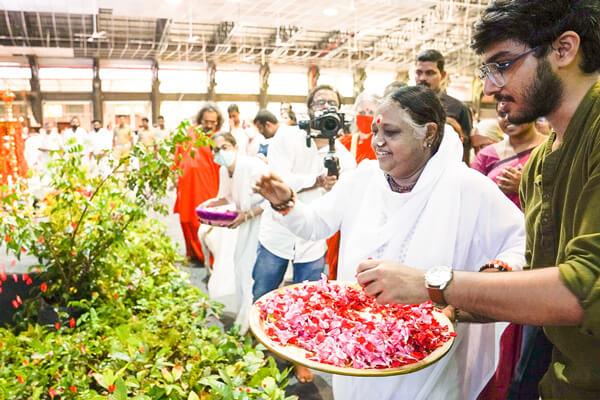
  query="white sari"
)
[
  {"x": 453, "y": 216},
  {"x": 238, "y": 190}
]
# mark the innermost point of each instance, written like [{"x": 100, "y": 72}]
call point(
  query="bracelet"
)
[
  {"x": 456, "y": 314},
  {"x": 251, "y": 212},
  {"x": 496, "y": 264},
  {"x": 285, "y": 208}
]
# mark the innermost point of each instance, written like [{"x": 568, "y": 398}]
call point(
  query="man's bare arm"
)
[{"x": 537, "y": 297}]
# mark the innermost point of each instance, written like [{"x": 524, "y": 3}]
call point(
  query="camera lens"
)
[{"x": 330, "y": 125}]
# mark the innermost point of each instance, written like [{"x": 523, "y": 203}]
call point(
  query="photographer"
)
[{"x": 298, "y": 157}]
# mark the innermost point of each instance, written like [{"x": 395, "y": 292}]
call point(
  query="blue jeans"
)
[{"x": 269, "y": 270}]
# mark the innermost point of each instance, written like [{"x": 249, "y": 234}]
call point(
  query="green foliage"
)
[{"x": 142, "y": 331}]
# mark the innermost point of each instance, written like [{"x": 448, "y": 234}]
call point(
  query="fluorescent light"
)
[{"x": 330, "y": 12}]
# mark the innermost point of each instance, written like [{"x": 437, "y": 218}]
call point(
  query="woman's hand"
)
[
  {"x": 391, "y": 282},
  {"x": 510, "y": 179},
  {"x": 240, "y": 219},
  {"x": 272, "y": 188}
]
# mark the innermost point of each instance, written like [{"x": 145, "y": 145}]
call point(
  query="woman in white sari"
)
[
  {"x": 238, "y": 172},
  {"x": 418, "y": 204}
]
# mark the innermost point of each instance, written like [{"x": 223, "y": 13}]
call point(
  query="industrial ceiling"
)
[{"x": 337, "y": 33}]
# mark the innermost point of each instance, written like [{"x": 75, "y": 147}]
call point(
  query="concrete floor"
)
[{"x": 319, "y": 389}]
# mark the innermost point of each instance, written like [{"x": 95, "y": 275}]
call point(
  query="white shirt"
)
[
  {"x": 299, "y": 166},
  {"x": 102, "y": 140},
  {"x": 161, "y": 134},
  {"x": 32, "y": 153},
  {"x": 81, "y": 137}
]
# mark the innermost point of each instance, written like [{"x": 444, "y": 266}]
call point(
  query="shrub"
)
[{"x": 141, "y": 330}]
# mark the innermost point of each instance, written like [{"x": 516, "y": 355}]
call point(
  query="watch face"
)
[{"x": 437, "y": 276}]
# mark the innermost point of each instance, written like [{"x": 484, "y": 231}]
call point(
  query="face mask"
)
[
  {"x": 363, "y": 122},
  {"x": 225, "y": 158}
]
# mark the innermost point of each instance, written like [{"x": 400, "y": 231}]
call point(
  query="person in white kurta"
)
[
  {"x": 236, "y": 188},
  {"x": 451, "y": 216}
]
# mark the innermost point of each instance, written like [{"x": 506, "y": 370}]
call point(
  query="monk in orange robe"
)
[
  {"x": 359, "y": 144},
  {"x": 199, "y": 181}
]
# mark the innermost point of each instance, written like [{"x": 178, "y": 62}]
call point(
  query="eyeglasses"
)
[
  {"x": 323, "y": 102},
  {"x": 495, "y": 71}
]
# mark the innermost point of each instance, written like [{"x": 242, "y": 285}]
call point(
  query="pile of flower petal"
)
[{"x": 342, "y": 326}]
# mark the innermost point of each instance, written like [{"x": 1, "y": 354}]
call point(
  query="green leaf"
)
[
  {"x": 176, "y": 372},
  {"x": 193, "y": 396},
  {"x": 167, "y": 375},
  {"x": 120, "y": 392}
]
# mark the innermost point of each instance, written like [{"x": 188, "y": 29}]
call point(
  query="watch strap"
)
[{"x": 436, "y": 295}]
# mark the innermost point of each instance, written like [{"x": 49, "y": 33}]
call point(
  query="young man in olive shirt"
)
[{"x": 541, "y": 59}]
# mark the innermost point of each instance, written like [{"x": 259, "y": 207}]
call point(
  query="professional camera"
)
[{"x": 326, "y": 124}]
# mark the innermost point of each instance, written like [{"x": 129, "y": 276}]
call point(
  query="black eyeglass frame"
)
[{"x": 488, "y": 70}]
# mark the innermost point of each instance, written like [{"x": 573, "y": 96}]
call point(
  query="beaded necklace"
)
[{"x": 395, "y": 187}]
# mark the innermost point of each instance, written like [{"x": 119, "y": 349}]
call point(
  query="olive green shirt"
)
[{"x": 560, "y": 194}]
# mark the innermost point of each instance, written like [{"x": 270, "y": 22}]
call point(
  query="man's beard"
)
[
  {"x": 423, "y": 83},
  {"x": 540, "y": 98}
]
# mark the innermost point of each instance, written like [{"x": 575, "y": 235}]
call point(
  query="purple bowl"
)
[{"x": 213, "y": 215}]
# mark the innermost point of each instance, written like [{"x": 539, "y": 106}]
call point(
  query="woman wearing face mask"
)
[
  {"x": 359, "y": 144},
  {"x": 237, "y": 175},
  {"x": 419, "y": 205}
]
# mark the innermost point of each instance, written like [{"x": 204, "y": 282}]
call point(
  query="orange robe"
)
[
  {"x": 198, "y": 183},
  {"x": 363, "y": 151}
]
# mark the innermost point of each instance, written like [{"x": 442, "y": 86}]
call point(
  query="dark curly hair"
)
[
  {"x": 539, "y": 23},
  {"x": 210, "y": 107}
]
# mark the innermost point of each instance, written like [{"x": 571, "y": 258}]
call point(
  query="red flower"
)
[
  {"x": 72, "y": 253},
  {"x": 111, "y": 388},
  {"x": 2, "y": 272},
  {"x": 15, "y": 304},
  {"x": 41, "y": 240},
  {"x": 25, "y": 277},
  {"x": 20, "y": 379},
  {"x": 19, "y": 299},
  {"x": 23, "y": 250},
  {"x": 142, "y": 349},
  {"x": 43, "y": 287},
  {"x": 56, "y": 325},
  {"x": 7, "y": 238},
  {"x": 25, "y": 362},
  {"x": 73, "y": 389},
  {"x": 116, "y": 295},
  {"x": 15, "y": 277},
  {"x": 72, "y": 323},
  {"x": 13, "y": 263},
  {"x": 52, "y": 392},
  {"x": 28, "y": 281}
]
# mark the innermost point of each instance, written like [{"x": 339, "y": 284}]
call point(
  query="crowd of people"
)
[
  {"x": 419, "y": 184},
  {"x": 98, "y": 140}
]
